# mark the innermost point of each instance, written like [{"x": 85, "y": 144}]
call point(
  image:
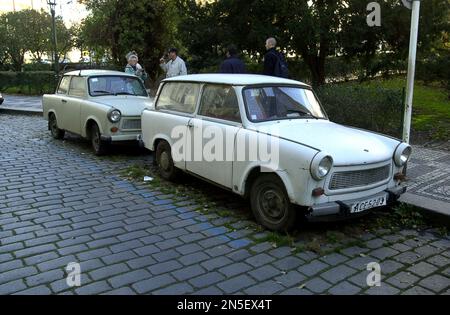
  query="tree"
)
[
  {"x": 31, "y": 31},
  {"x": 40, "y": 28},
  {"x": 148, "y": 27},
  {"x": 16, "y": 36},
  {"x": 380, "y": 47}
]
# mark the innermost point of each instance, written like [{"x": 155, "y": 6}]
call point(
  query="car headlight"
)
[
  {"x": 402, "y": 154},
  {"x": 321, "y": 165},
  {"x": 114, "y": 115}
]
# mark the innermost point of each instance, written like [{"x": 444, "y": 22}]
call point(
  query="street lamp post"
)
[
  {"x": 52, "y": 4},
  {"x": 415, "y": 6}
]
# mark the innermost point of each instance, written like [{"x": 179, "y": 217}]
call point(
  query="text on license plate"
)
[{"x": 369, "y": 204}]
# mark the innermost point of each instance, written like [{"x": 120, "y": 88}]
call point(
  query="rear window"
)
[
  {"x": 219, "y": 101},
  {"x": 77, "y": 87},
  {"x": 179, "y": 97},
  {"x": 63, "y": 85}
]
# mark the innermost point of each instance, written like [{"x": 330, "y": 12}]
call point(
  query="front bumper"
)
[
  {"x": 341, "y": 209},
  {"x": 119, "y": 138}
]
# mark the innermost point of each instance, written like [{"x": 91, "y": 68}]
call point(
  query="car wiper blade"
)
[
  {"x": 304, "y": 114},
  {"x": 103, "y": 92},
  {"x": 125, "y": 93},
  {"x": 312, "y": 116}
]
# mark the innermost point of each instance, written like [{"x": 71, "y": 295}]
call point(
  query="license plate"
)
[{"x": 369, "y": 204}]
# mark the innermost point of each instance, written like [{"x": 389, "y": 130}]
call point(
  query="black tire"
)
[
  {"x": 164, "y": 161},
  {"x": 53, "y": 126},
  {"x": 99, "y": 146},
  {"x": 271, "y": 205}
]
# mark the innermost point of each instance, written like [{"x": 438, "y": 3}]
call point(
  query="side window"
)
[
  {"x": 63, "y": 85},
  {"x": 220, "y": 101},
  {"x": 178, "y": 96},
  {"x": 77, "y": 87}
]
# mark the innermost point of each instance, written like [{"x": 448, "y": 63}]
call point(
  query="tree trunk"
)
[{"x": 317, "y": 67}]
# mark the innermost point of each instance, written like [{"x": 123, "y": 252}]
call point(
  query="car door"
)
[
  {"x": 72, "y": 104},
  {"x": 60, "y": 99},
  {"x": 212, "y": 134},
  {"x": 175, "y": 108}
]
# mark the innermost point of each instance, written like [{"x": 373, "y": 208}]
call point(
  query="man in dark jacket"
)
[
  {"x": 274, "y": 62},
  {"x": 232, "y": 64}
]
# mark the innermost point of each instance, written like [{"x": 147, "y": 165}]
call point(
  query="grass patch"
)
[
  {"x": 431, "y": 106},
  {"x": 278, "y": 239},
  {"x": 135, "y": 172}
]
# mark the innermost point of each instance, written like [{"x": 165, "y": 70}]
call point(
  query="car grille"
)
[
  {"x": 352, "y": 179},
  {"x": 131, "y": 124}
]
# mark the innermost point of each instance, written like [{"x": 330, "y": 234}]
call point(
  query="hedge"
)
[
  {"x": 377, "y": 109},
  {"x": 31, "y": 82}
]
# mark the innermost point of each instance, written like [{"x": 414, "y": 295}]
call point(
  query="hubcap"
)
[
  {"x": 53, "y": 126},
  {"x": 164, "y": 161},
  {"x": 95, "y": 140},
  {"x": 272, "y": 204}
]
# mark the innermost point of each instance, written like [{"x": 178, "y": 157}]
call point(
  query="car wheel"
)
[
  {"x": 53, "y": 126},
  {"x": 100, "y": 147},
  {"x": 271, "y": 205},
  {"x": 164, "y": 161}
]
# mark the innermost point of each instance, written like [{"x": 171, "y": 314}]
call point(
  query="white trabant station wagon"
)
[
  {"x": 102, "y": 106},
  {"x": 270, "y": 140}
]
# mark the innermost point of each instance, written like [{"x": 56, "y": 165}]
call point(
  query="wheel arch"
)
[
  {"x": 157, "y": 139},
  {"x": 253, "y": 173},
  {"x": 88, "y": 125}
]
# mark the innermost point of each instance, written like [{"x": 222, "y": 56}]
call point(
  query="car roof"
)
[
  {"x": 233, "y": 79},
  {"x": 88, "y": 73}
]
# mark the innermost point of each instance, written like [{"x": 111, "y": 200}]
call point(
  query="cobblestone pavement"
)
[
  {"x": 60, "y": 204},
  {"x": 20, "y": 102}
]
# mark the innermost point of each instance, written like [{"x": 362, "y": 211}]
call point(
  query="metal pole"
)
[
  {"x": 411, "y": 69},
  {"x": 55, "y": 45}
]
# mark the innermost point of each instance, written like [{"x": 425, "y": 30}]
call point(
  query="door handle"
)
[
  {"x": 63, "y": 101},
  {"x": 190, "y": 125}
]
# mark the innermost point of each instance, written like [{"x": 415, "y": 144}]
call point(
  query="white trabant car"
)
[
  {"x": 102, "y": 106},
  {"x": 314, "y": 167}
]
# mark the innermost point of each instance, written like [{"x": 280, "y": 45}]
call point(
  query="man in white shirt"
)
[{"x": 175, "y": 66}]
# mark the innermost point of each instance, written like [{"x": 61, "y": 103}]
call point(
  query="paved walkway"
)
[
  {"x": 429, "y": 180},
  {"x": 61, "y": 204}
]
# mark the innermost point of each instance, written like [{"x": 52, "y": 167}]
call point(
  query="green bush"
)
[
  {"x": 376, "y": 109},
  {"x": 435, "y": 69},
  {"x": 32, "y": 82},
  {"x": 37, "y": 67}
]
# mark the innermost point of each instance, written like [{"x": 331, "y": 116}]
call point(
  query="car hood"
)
[
  {"x": 128, "y": 105},
  {"x": 347, "y": 146}
]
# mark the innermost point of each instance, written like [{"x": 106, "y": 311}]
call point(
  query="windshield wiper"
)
[
  {"x": 125, "y": 93},
  {"x": 304, "y": 114},
  {"x": 103, "y": 92}
]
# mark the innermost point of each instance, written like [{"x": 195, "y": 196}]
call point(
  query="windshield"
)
[
  {"x": 116, "y": 85},
  {"x": 281, "y": 102}
]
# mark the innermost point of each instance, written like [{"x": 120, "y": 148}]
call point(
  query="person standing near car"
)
[
  {"x": 233, "y": 64},
  {"x": 274, "y": 61},
  {"x": 133, "y": 66},
  {"x": 175, "y": 66}
]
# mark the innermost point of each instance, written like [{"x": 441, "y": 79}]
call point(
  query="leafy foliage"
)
[
  {"x": 147, "y": 27},
  {"x": 364, "y": 107},
  {"x": 30, "y": 31},
  {"x": 30, "y": 82}
]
